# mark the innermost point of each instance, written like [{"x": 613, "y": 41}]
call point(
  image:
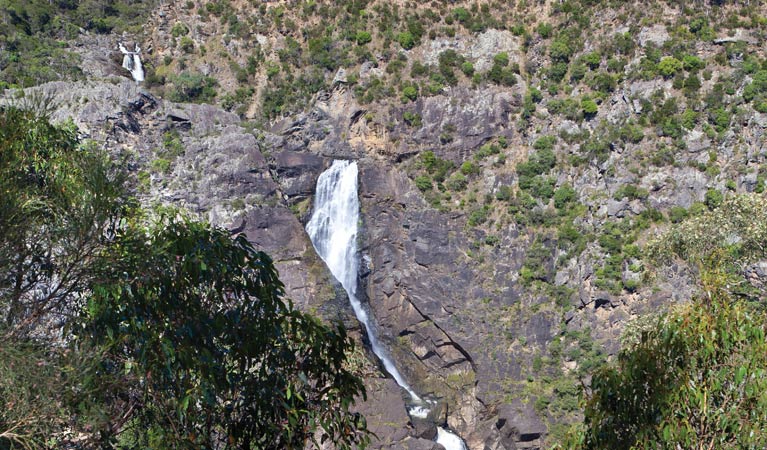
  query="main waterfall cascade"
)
[
  {"x": 333, "y": 232},
  {"x": 132, "y": 62}
]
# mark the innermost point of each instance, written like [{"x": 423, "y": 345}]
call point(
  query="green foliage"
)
[
  {"x": 696, "y": 377},
  {"x": 539, "y": 162},
  {"x": 468, "y": 168},
  {"x": 323, "y": 53},
  {"x": 186, "y": 44},
  {"x": 193, "y": 87},
  {"x": 179, "y": 29},
  {"x": 603, "y": 82},
  {"x": 692, "y": 63},
  {"x": 467, "y": 68},
  {"x": 677, "y": 214},
  {"x": 713, "y": 198},
  {"x": 439, "y": 168},
  {"x": 536, "y": 266},
  {"x": 631, "y": 192},
  {"x": 55, "y": 195},
  {"x": 592, "y": 60},
  {"x": 478, "y": 216},
  {"x": 410, "y": 93},
  {"x": 502, "y": 59},
  {"x": 406, "y": 40},
  {"x": 196, "y": 324},
  {"x": 423, "y": 183},
  {"x": 731, "y": 235},
  {"x": 669, "y": 66},
  {"x": 545, "y": 30},
  {"x": 457, "y": 182},
  {"x": 589, "y": 107},
  {"x": 560, "y": 51},
  {"x": 564, "y": 196},
  {"x": 363, "y": 37},
  {"x": 412, "y": 119}
]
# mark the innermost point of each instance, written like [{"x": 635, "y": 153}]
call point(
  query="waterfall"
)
[
  {"x": 333, "y": 232},
  {"x": 132, "y": 62}
]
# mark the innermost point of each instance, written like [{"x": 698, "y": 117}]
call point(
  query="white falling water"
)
[
  {"x": 132, "y": 62},
  {"x": 333, "y": 232}
]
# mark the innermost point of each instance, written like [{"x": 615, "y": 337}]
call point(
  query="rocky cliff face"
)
[{"x": 493, "y": 297}]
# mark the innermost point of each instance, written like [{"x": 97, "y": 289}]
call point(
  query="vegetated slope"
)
[{"x": 531, "y": 150}]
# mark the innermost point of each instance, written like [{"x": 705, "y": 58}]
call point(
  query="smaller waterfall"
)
[{"x": 132, "y": 62}]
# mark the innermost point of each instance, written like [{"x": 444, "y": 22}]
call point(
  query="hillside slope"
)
[{"x": 515, "y": 159}]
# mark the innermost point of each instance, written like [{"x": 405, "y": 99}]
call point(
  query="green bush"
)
[
  {"x": 410, "y": 93},
  {"x": 406, "y": 40},
  {"x": 193, "y": 87},
  {"x": 502, "y": 59},
  {"x": 468, "y": 168},
  {"x": 412, "y": 119},
  {"x": 560, "y": 51},
  {"x": 564, "y": 196},
  {"x": 478, "y": 216},
  {"x": 589, "y": 107},
  {"x": 363, "y": 37},
  {"x": 695, "y": 375},
  {"x": 423, "y": 183},
  {"x": 456, "y": 182},
  {"x": 669, "y": 66},
  {"x": 592, "y": 60},
  {"x": 713, "y": 198},
  {"x": 631, "y": 192},
  {"x": 186, "y": 44},
  {"x": 179, "y": 29},
  {"x": 677, "y": 214},
  {"x": 467, "y": 68}
]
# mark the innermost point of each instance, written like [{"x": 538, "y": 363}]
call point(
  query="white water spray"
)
[
  {"x": 333, "y": 232},
  {"x": 132, "y": 62}
]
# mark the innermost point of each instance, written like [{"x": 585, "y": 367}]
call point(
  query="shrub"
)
[
  {"x": 363, "y": 37},
  {"x": 560, "y": 51},
  {"x": 677, "y": 214},
  {"x": 478, "y": 216},
  {"x": 412, "y": 119},
  {"x": 423, "y": 182},
  {"x": 468, "y": 168},
  {"x": 592, "y": 60},
  {"x": 406, "y": 40},
  {"x": 193, "y": 87},
  {"x": 632, "y": 192},
  {"x": 669, "y": 66},
  {"x": 502, "y": 59},
  {"x": 410, "y": 92},
  {"x": 589, "y": 107},
  {"x": 692, "y": 63},
  {"x": 545, "y": 30},
  {"x": 467, "y": 68},
  {"x": 694, "y": 375},
  {"x": 179, "y": 29},
  {"x": 713, "y": 198},
  {"x": 564, "y": 196},
  {"x": 457, "y": 182},
  {"x": 187, "y": 44}
]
